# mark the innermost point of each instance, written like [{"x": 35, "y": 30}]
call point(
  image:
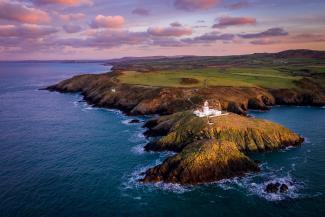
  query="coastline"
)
[
  {"x": 247, "y": 166},
  {"x": 199, "y": 142}
]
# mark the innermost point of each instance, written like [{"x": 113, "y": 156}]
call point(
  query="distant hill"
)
[{"x": 299, "y": 53}]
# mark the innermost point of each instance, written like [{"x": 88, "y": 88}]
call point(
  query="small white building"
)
[{"x": 207, "y": 112}]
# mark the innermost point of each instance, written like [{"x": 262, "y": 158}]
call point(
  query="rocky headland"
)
[
  {"x": 214, "y": 148},
  {"x": 105, "y": 90}
]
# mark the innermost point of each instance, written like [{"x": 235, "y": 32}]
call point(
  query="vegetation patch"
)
[
  {"x": 233, "y": 77},
  {"x": 187, "y": 81}
]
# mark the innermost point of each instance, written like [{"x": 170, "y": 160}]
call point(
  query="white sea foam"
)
[
  {"x": 133, "y": 179},
  {"x": 138, "y": 137},
  {"x": 255, "y": 184},
  {"x": 307, "y": 140},
  {"x": 138, "y": 149},
  {"x": 126, "y": 122},
  {"x": 293, "y": 187}
]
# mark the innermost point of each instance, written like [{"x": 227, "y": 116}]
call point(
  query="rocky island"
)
[
  {"x": 207, "y": 148},
  {"x": 214, "y": 149}
]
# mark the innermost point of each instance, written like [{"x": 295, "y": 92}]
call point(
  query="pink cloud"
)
[
  {"x": 108, "y": 22},
  {"x": 265, "y": 41},
  {"x": 141, "y": 12},
  {"x": 108, "y": 39},
  {"x": 64, "y": 2},
  {"x": 72, "y": 17},
  {"x": 190, "y": 5},
  {"x": 272, "y": 32},
  {"x": 239, "y": 5},
  {"x": 224, "y": 22},
  {"x": 72, "y": 28},
  {"x": 210, "y": 37},
  {"x": 175, "y": 31},
  {"x": 176, "y": 24},
  {"x": 26, "y": 31},
  {"x": 21, "y": 13}
]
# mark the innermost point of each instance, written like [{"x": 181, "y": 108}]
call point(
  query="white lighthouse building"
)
[{"x": 206, "y": 111}]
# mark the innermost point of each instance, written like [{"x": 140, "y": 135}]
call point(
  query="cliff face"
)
[
  {"x": 249, "y": 134},
  {"x": 214, "y": 150},
  {"x": 202, "y": 161},
  {"x": 207, "y": 149},
  {"x": 140, "y": 100}
]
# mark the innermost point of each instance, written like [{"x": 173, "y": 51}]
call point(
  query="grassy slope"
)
[
  {"x": 277, "y": 70},
  {"x": 234, "y": 76}
]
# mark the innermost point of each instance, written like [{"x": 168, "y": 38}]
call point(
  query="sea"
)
[{"x": 60, "y": 157}]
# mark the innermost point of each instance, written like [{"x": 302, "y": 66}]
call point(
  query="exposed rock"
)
[
  {"x": 208, "y": 150},
  {"x": 213, "y": 150},
  {"x": 249, "y": 134},
  {"x": 134, "y": 121},
  {"x": 284, "y": 188},
  {"x": 105, "y": 90},
  {"x": 272, "y": 187},
  {"x": 202, "y": 161},
  {"x": 276, "y": 188}
]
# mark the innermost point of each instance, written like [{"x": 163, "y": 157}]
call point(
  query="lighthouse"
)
[{"x": 205, "y": 111}]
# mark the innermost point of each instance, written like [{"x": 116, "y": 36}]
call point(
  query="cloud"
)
[
  {"x": 191, "y": 5},
  {"x": 170, "y": 31},
  {"x": 72, "y": 28},
  {"x": 167, "y": 42},
  {"x": 63, "y": 2},
  {"x": 141, "y": 12},
  {"x": 108, "y": 39},
  {"x": 273, "y": 32},
  {"x": 239, "y": 5},
  {"x": 72, "y": 17},
  {"x": 308, "y": 37},
  {"x": 224, "y": 22},
  {"x": 113, "y": 22},
  {"x": 176, "y": 24},
  {"x": 21, "y": 13},
  {"x": 265, "y": 41},
  {"x": 26, "y": 31},
  {"x": 209, "y": 38}
]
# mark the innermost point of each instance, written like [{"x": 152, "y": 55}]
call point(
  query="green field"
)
[{"x": 237, "y": 77}]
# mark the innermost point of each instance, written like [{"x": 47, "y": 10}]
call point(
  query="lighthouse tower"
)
[{"x": 206, "y": 111}]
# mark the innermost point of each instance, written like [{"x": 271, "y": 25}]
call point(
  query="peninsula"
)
[{"x": 216, "y": 147}]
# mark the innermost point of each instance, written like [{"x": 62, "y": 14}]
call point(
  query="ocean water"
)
[{"x": 62, "y": 157}]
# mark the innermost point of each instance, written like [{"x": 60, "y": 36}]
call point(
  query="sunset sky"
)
[{"x": 104, "y": 29}]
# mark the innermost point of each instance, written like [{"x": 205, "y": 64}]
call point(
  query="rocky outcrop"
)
[
  {"x": 202, "y": 161},
  {"x": 249, "y": 134},
  {"x": 207, "y": 149},
  {"x": 214, "y": 149},
  {"x": 105, "y": 91},
  {"x": 308, "y": 92}
]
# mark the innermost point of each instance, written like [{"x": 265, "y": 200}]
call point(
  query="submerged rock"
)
[
  {"x": 134, "y": 121},
  {"x": 202, "y": 161},
  {"x": 272, "y": 187},
  {"x": 284, "y": 188},
  {"x": 276, "y": 188}
]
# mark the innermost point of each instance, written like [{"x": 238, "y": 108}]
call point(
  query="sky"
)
[{"x": 106, "y": 29}]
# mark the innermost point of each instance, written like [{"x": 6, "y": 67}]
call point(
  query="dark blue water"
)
[{"x": 61, "y": 157}]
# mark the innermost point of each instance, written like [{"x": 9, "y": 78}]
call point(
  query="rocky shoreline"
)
[
  {"x": 212, "y": 150},
  {"x": 207, "y": 151},
  {"x": 104, "y": 90}
]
